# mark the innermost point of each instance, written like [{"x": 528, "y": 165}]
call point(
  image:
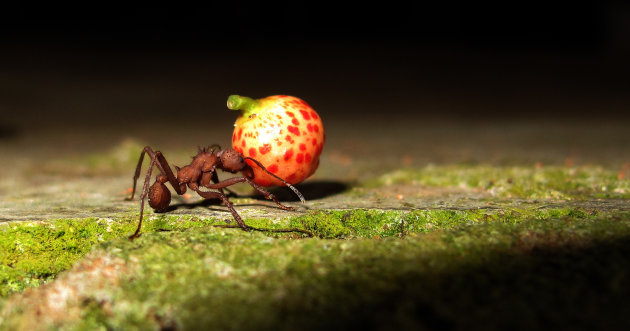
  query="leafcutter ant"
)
[{"x": 201, "y": 173}]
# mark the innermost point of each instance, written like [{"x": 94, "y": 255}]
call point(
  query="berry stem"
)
[{"x": 246, "y": 105}]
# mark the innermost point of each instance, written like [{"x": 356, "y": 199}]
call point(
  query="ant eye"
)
[{"x": 240, "y": 159}]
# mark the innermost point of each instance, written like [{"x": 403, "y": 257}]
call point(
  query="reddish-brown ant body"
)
[{"x": 201, "y": 172}]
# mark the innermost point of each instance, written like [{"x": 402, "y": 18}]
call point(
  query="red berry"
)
[{"x": 282, "y": 132}]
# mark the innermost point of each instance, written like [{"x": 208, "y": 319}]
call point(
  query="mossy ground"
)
[
  {"x": 555, "y": 259},
  {"x": 530, "y": 182},
  {"x": 390, "y": 269}
]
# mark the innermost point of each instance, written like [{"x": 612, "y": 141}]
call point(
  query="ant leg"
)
[
  {"x": 166, "y": 170},
  {"x": 146, "y": 149},
  {"x": 226, "y": 183},
  {"x": 267, "y": 194},
  {"x": 145, "y": 191},
  {"x": 235, "y": 180},
  {"x": 161, "y": 163},
  {"x": 278, "y": 178},
  {"x": 221, "y": 195},
  {"x": 157, "y": 159},
  {"x": 215, "y": 179},
  {"x": 237, "y": 217}
]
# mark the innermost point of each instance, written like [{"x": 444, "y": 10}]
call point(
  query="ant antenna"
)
[{"x": 282, "y": 180}]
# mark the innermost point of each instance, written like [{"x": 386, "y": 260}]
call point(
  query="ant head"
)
[{"x": 231, "y": 160}]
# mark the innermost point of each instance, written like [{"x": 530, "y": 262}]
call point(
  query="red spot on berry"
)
[
  {"x": 233, "y": 137},
  {"x": 252, "y": 152},
  {"x": 273, "y": 168},
  {"x": 316, "y": 128},
  {"x": 309, "y": 127},
  {"x": 243, "y": 143},
  {"x": 288, "y": 154},
  {"x": 290, "y": 114},
  {"x": 314, "y": 142},
  {"x": 302, "y": 147},
  {"x": 291, "y": 177},
  {"x": 240, "y": 133},
  {"x": 305, "y": 114},
  {"x": 299, "y": 158},
  {"x": 295, "y": 121},
  {"x": 313, "y": 115},
  {"x": 293, "y": 130},
  {"x": 288, "y": 138},
  {"x": 307, "y": 156},
  {"x": 264, "y": 148}
]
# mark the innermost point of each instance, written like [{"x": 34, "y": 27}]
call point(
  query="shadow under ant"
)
[
  {"x": 311, "y": 190},
  {"x": 207, "y": 203}
]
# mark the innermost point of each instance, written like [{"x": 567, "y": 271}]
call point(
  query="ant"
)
[{"x": 201, "y": 172}]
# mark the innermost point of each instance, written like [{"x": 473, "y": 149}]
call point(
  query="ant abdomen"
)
[{"x": 159, "y": 197}]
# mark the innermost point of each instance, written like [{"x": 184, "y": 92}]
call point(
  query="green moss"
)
[
  {"x": 33, "y": 253},
  {"x": 225, "y": 279},
  {"x": 400, "y": 270},
  {"x": 546, "y": 182},
  {"x": 371, "y": 223}
]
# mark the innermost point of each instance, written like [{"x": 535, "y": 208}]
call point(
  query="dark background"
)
[{"x": 99, "y": 66}]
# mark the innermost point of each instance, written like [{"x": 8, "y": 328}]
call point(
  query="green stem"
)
[{"x": 246, "y": 105}]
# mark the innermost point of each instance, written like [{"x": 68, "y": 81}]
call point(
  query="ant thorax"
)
[{"x": 205, "y": 161}]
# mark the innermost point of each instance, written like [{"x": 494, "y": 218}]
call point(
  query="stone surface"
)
[{"x": 90, "y": 174}]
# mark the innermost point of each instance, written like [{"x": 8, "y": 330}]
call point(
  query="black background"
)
[
  {"x": 457, "y": 59},
  {"x": 526, "y": 25}
]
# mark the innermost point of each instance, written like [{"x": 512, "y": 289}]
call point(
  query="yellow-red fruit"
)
[{"x": 282, "y": 132}]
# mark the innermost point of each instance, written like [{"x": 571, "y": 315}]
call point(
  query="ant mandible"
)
[{"x": 201, "y": 172}]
